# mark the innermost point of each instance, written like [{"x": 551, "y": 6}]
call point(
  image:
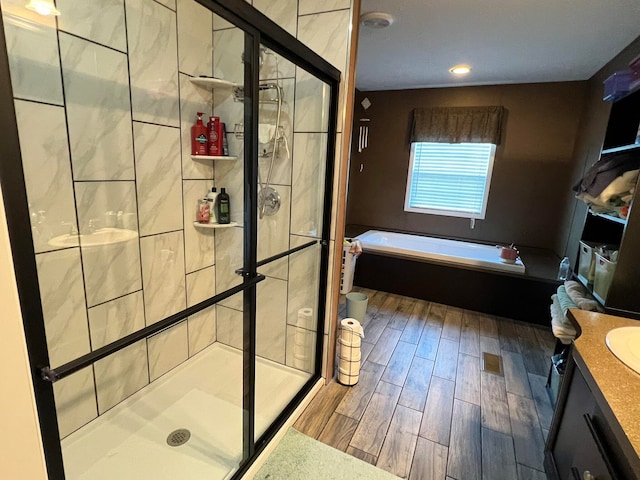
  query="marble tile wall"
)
[
  {"x": 201, "y": 285},
  {"x": 113, "y": 105},
  {"x": 96, "y": 85},
  {"x": 163, "y": 275},
  {"x": 153, "y": 62}
]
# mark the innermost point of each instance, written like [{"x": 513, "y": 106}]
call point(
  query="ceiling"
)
[{"x": 504, "y": 41}]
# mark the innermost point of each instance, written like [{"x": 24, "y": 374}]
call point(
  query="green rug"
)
[{"x": 299, "y": 457}]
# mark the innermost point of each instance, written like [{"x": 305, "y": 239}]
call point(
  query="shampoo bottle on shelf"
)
[
  {"x": 204, "y": 211},
  {"x": 215, "y": 140},
  {"x": 223, "y": 207},
  {"x": 199, "y": 137},
  {"x": 211, "y": 197},
  {"x": 225, "y": 143}
]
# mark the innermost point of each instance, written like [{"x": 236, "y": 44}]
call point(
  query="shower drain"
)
[{"x": 178, "y": 437}]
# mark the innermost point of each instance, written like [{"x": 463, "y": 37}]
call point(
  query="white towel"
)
[
  {"x": 580, "y": 296},
  {"x": 621, "y": 187},
  {"x": 560, "y": 325}
]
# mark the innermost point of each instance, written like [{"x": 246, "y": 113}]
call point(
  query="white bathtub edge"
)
[
  {"x": 495, "y": 266},
  {"x": 268, "y": 450}
]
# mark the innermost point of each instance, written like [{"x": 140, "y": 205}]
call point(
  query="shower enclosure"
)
[{"x": 162, "y": 347}]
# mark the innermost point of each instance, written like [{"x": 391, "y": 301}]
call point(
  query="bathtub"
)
[
  {"x": 451, "y": 252},
  {"x": 454, "y": 273}
]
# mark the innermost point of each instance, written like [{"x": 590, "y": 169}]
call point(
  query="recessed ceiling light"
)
[
  {"x": 43, "y": 7},
  {"x": 376, "y": 19},
  {"x": 460, "y": 69}
]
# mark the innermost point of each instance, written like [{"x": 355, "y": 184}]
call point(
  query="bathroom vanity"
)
[{"x": 595, "y": 433}]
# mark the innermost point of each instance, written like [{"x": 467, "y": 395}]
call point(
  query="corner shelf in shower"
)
[
  {"x": 209, "y": 157},
  {"x": 210, "y": 82},
  {"x": 214, "y": 225}
]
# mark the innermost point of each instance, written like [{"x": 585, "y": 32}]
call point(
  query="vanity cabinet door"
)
[
  {"x": 584, "y": 448},
  {"x": 588, "y": 461},
  {"x": 572, "y": 430}
]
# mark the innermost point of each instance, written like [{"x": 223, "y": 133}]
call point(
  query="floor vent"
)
[
  {"x": 492, "y": 363},
  {"x": 178, "y": 437}
]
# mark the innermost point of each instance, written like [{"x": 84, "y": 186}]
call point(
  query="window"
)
[{"x": 449, "y": 178}]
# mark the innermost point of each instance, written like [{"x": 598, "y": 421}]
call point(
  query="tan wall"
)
[
  {"x": 531, "y": 170},
  {"x": 21, "y": 454}
]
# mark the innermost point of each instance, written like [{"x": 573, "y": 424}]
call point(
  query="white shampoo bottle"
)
[{"x": 211, "y": 198}]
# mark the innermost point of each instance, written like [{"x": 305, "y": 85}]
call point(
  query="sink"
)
[
  {"x": 104, "y": 236},
  {"x": 624, "y": 343}
]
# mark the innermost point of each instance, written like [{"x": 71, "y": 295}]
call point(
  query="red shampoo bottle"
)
[
  {"x": 199, "y": 137},
  {"x": 213, "y": 129}
]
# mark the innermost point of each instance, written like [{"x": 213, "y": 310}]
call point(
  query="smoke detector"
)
[{"x": 376, "y": 19}]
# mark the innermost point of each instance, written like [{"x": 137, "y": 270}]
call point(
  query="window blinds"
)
[{"x": 450, "y": 179}]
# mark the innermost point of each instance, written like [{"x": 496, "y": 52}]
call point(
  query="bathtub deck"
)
[
  {"x": 541, "y": 264},
  {"x": 520, "y": 297},
  {"x": 424, "y": 409},
  {"x": 430, "y": 249}
]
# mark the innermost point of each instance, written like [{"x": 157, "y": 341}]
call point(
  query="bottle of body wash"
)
[
  {"x": 211, "y": 197},
  {"x": 203, "y": 212},
  {"x": 199, "y": 137},
  {"x": 223, "y": 207}
]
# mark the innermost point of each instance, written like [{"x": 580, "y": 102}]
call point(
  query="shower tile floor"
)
[
  {"x": 424, "y": 408},
  {"x": 203, "y": 395}
]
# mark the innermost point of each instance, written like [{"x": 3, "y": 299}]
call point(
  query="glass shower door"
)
[
  {"x": 148, "y": 381},
  {"x": 164, "y": 345},
  {"x": 292, "y": 148}
]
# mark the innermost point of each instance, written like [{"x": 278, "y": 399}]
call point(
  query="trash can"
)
[
  {"x": 357, "y": 306},
  {"x": 351, "y": 334}
]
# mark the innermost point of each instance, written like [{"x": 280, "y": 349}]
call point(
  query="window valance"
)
[{"x": 458, "y": 124}]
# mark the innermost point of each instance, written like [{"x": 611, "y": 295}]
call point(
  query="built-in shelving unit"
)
[
  {"x": 215, "y": 225},
  {"x": 611, "y": 218},
  {"x": 600, "y": 228},
  {"x": 210, "y": 83},
  {"x": 213, "y": 157},
  {"x": 624, "y": 148}
]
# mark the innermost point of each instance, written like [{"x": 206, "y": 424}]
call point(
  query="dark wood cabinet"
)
[{"x": 582, "y": 443}]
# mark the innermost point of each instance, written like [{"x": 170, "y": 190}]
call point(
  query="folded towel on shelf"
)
[
  {"x": 619, "y": 191},
  {"x": 621, "y": 186},
  {"x": 562, "y": 329},
  {"x": 601, "y": 174},
  {"x": 564, "y": 300},
  {"x": 580, "y": 296}
]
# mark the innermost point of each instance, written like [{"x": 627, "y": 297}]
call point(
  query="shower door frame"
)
[{"x": 259, "y": 30}]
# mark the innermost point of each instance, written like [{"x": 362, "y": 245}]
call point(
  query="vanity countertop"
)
[{"x": 618, "y": 384}]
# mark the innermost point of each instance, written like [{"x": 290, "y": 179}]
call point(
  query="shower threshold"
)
[{"x": 203, "y": 396}]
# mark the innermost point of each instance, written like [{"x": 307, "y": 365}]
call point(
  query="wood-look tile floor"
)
[{"x": 424, "y": 409}]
